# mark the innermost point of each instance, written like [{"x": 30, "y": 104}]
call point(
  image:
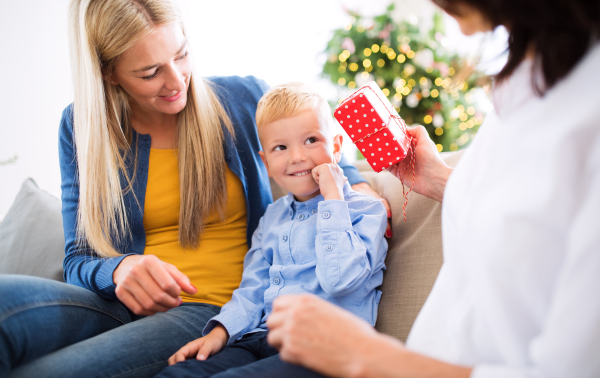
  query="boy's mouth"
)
[{"x": 302, "y": 173}]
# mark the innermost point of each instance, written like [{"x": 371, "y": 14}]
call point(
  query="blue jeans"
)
[
  {"x": 52, "y": 329},
  {"x": 250, "y": 356}
]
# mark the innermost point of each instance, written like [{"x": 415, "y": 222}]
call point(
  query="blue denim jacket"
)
[
  {"x": 334, "y": 249},
  {"x": 239, "y": 96}
]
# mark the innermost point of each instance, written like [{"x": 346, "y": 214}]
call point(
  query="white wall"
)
[
  {"x": 276, "y": 40},
  {"x": 36, "y": 87}
]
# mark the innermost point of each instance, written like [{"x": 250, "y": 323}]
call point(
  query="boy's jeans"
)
[
  {"x": 52, "y": 329},
  {"x": 248, "y": 357}
]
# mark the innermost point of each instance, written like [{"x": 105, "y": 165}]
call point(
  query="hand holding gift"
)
[{"x": 377, "y": 130}]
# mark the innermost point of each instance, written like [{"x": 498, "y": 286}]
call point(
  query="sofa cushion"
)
[
  {"x": 31, "y": 235},
  {"x": 414, "y": 254}
]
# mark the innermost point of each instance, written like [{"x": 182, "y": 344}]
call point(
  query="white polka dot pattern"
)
[{"x": 387, "y": 145}]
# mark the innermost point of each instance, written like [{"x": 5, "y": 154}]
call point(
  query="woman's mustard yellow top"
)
[{"x": 215, "y": 267}]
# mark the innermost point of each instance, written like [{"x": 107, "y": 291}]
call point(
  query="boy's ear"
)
[
  {"x": 264, "y": 159},
  {"x": 337, "y": 147}
]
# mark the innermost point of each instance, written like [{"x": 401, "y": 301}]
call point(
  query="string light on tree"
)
[{"x": 413, "y": 70}]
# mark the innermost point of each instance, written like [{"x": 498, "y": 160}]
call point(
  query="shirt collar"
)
[{"x": 312, "y": 203}]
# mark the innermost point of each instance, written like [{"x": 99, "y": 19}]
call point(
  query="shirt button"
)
[
  {"x": 276, "y": 281},
  {"x": 326, "y": 215},
  {"x": 284, "y": 237},
  {"x": 300, "y": 216},
  {"x": 314, "y": 211},
  {"x": 329, "y": 248}
]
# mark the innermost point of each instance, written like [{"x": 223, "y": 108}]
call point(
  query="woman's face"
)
[
  {"x": 155, "y": 73},
  {"x": 471, "y": 20}
]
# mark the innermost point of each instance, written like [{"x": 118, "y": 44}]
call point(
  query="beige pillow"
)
[{"x": 414, "y": 254}]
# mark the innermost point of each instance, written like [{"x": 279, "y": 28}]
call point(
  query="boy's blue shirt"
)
[
  {"x": 239, "y": 96},
  {"x": 334, "y": 249}
]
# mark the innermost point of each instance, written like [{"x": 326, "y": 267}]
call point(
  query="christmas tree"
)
[{"x": 426, "y": 84}]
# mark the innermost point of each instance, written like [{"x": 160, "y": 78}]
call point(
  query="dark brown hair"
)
[{"x": 559, "y": 31}]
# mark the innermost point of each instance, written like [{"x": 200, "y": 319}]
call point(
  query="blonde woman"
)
[{"x": 162, "y": 187}]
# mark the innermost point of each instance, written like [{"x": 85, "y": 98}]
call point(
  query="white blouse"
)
[{"x": 518, "y": 294}]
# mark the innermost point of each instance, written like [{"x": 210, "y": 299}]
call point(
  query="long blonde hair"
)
[{"x": 100, "y": 31}]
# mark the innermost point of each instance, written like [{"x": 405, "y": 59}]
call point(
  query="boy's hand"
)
[
  {"x": 331, "y": 179},
  {"x": 203, "y": 347}
]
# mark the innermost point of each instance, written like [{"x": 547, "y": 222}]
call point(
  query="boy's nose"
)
[{"x": 297, "y": 155}]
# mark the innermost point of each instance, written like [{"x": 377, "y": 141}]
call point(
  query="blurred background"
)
[{"x": 433, "y": 74}]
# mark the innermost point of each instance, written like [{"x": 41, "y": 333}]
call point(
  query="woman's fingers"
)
[
  {"x": 284, "y": 302},
  {"x": 284, "y": 315},
  {"x": 387, "y": 206},
  {"x": 181, "y": 279},
  {"x": 388, "y": 229},
  {"x": 275, "y": 319},
  {"x": 418, "y": 132},
  {"x": 130, "y": 302},
  {"x": 138, "y": 301},
  {"x": 163, "y": 277},
  {"x": 312, "y": 332},
  {"x": 274, "y": 338},
  {"x": 278, "y": 318},
  {"x": 423, "y": 169},
  {"x": 147, "y": 285},
  {"x": 152, "y": 296},
  {"x": 146, "y": 292},
  {"x": 150, "y": 278}
]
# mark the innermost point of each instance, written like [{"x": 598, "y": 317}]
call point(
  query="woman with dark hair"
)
[{"x": 517, "y": 295}]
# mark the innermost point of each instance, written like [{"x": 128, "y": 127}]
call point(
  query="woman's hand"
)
[
  {"x": 431, "y": 173},
  {"x": 147, "y": 285},
  {"x": 316, "y": 334},
  {"x": 365, "y": 188},
  {"x": 203, "y": 347}
]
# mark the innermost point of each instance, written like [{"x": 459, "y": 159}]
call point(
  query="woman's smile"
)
[{"x": 171, "y": 98}]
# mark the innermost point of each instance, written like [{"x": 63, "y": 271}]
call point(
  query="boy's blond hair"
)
[{"x": 289, "y": 100}]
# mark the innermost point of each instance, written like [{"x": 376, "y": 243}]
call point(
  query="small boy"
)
[{"x": 323, "y": 238}]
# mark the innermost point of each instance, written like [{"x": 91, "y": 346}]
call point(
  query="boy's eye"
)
[
  {"x": 310, "y": 140},
  {"x": 281, "y": 147}
]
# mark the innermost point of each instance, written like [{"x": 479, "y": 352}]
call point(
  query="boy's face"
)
[{"x": 293, "y": 147}]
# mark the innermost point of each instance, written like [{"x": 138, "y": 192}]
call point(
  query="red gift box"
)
[{"x": 374, "y": 126}]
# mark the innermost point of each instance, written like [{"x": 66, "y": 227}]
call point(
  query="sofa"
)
[{"x": 32, "y": 242}]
